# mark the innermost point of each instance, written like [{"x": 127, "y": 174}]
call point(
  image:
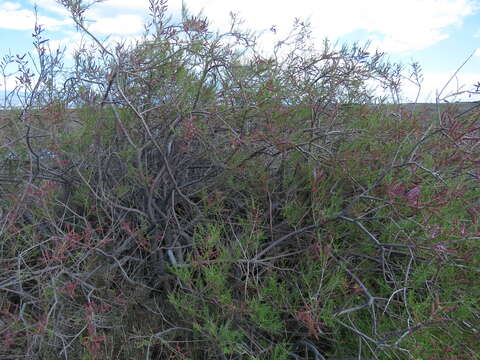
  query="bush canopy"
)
[{"x": 185, "y": 196}]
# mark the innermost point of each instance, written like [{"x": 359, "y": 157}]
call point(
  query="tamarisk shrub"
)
[{"x": 205, "y": 200}]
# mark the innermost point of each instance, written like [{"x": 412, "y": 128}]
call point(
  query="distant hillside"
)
[{"x": 430, "y": 110}]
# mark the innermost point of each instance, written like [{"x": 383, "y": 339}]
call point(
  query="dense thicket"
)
[{"x": 186, "y": 197}]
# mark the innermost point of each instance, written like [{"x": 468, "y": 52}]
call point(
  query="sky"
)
[{"x": 440, "y": 35}]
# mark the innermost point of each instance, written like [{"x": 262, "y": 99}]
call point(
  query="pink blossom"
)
[
  {"x": 413, "y": 195},
  {"x": 436, "y": 231},
  {"x": 442, "y": 248}
]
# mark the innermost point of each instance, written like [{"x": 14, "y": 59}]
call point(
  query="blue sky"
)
[{"x": 438, "y": 34}]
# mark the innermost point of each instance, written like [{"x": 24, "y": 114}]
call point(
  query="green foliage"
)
[
  {"x": 265, "y": 316},
  {"x": 228, "y": 339},
  {"x": 280, "y": 352}
]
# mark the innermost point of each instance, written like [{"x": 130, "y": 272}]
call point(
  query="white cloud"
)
[
  {"x": 120, "y": 25},
  {"x": 9, "y": 83},
  {"x": 105, "y": 6},
  {"x": 117, "y": 17},
  {"x": 477, "y": 52},
  {"x": 16, "y": 19},
  {"x": 50, "y": 5},
  {"x": 10, "y": 6},
  {"x": 13, "y": 17},
  {"x": 126, "y": 4},
  {"x": 394, "y": 26},
  {"x": 416, "y": 25},
  {"x": 70, "y": 43}
]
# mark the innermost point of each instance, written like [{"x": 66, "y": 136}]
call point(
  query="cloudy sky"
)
[{"x": 438, "y": 34}]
